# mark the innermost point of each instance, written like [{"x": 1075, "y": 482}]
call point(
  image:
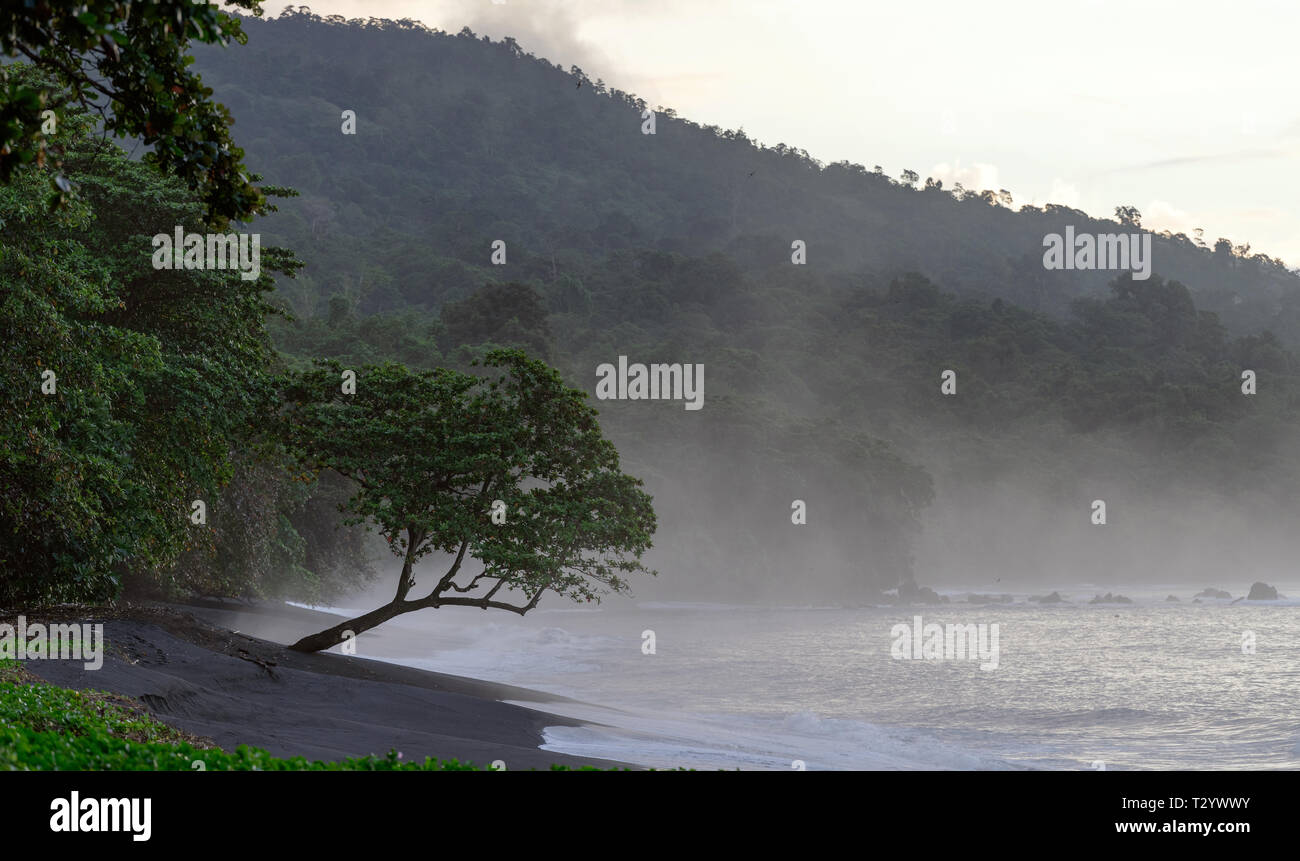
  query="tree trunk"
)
[
  {"x": 405, "y": 580},
  {"x": 364, "y": 622},
  {"x": 396, "y": 607}
]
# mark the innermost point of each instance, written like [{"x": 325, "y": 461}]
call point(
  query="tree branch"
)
[
  {"x": 471, "y": 585},
  {"x": 474, "y": 602},
  {"x": 451, "y": 573},
  {"x": 79, "y": 75}
]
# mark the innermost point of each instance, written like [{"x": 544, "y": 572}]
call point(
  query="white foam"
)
[
  {"x": 333, "y": 611},
  {"x": 708, "y": 742}
]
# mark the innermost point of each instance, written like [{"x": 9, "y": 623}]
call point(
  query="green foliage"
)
[
  {"x": 431, "y": 452},
  {"x": 408, "y": 337},
  {"x": 483, "y": 141},
  {"x": 507, "y": 314},
  {"x": 160, "y": 374},
  {"x": 822, "y": 380},
  {"x": 128, "y": 61},
  {"x": 272, "y": 535}
]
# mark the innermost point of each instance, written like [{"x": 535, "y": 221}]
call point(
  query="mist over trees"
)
[
  {"x": 823, "y": 379},
  {"x": 828, "y": 464}
]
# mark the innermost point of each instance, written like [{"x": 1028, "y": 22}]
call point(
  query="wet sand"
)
[{"x": 191, "y": 670}]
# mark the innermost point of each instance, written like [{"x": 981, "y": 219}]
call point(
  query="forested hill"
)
[
  {"x": 821, "y": 381},
  {"x": 460, "y": 140}
]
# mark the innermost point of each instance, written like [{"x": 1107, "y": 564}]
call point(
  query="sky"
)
[{"x": 1187, "y": 109}]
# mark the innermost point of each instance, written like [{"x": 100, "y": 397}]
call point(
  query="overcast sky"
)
[{"x": 1187, "y": 109}]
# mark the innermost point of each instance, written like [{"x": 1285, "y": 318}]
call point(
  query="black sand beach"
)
[{"x": 192, "y": 671}]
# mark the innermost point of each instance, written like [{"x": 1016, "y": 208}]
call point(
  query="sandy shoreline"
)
[{"x": 194, "y": 668}]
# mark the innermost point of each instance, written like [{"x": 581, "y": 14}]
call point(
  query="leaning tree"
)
[{"x": 504, "y": 474}]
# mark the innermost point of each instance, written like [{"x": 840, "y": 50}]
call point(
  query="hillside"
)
[
  {"x": 461, "y": 140},
  {"x": 822, "y": 381}
]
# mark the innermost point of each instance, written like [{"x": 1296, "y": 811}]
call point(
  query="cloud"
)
[
  {"x": 977, "y": 177},
  {"x": 1219, "y": 158},
  {"x": 1064, "y": 193},
  {"x": 551, "y": 29},
  {"x": 1161, "y": 215}
]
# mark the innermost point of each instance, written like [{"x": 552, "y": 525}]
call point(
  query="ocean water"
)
[{"x": 1152, "y": 685}]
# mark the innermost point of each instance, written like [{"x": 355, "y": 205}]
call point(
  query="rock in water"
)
[
  {"x": 1262, "y": 592},
  {"x": 1111, "y": 599},
  {"x": 910, "y": 593}
]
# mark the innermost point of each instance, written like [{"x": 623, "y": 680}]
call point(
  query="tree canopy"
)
[
  {"x": 508, "y": 471},
  {"x": 131, "y": 393},
  {"x": 128, "y": 63}
]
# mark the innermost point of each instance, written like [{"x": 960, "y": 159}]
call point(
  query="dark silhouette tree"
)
[
  {"x": 511, "y": 314},
  {"x": 1129, "y": 216}
]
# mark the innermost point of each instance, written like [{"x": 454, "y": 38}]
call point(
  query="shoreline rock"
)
[
  {"x": 1108, "y": 598},
  {"x": 1260, "y": 591}
]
